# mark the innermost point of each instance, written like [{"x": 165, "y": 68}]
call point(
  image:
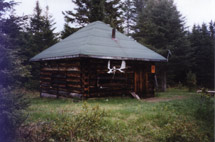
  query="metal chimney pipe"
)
[{"x": 113, "y": 33}]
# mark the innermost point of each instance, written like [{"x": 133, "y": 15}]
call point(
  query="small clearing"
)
[{"x": 123, "y": 119}]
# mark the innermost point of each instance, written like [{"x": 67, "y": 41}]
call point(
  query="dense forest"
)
[{"x": 156, "y": 24}]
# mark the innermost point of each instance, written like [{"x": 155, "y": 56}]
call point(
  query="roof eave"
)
[{"x": 97, "y": 57}]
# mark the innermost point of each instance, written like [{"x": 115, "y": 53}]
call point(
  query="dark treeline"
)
[
  {"x": 155, "y": 23},
  {"x": 158, "y": 25},
  {"x": 201, "y": 53}
]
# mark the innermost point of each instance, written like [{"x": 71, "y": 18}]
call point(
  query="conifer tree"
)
[
  {"x": 97, "y": 11},
  {"x": 41, "y": 30},
  {"x": 129, "y": 15},
  {"x": 41, "y": 36},
  {"x": 50, "y": 38},
  {"x": 88, "y": 11},
  {"x": 160, "y": 26},
  {"x": 114, "y": 14},
  {"x": 67, "y": 31},
  {"x": 11, "y": 71},
  {"x": 202, "y": 41},
  {"x": 212, "y": 29},
  {"x": 80, "y": 15},
  {"x": 139, "y": 5}
]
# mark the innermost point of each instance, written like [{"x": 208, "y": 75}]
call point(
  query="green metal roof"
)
[{"x": 95, "y": 41}]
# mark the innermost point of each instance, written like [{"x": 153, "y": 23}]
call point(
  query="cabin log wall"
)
[
  {"x": 89, "y": 77},
  {"x": 61, "y": 77}
]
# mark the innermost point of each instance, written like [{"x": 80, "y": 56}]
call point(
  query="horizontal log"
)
[
  {"x": 59, "y": 81},
  {"x": 105, "y": 74},
  {"x": 60, "y": 76},
  {"x": 59, "y": 85},
  {"x": 74, "y": 83},
  {"x": 73, "y": 64},
  {"x": 73, "y": 69},
  {"x": 61, "y": 69},
  {"x": 74, "y": 86},
  {"x": 45, "y": 78},
  {"x": 49, "y": 69},
  {"x": 76, "y": 74},
  {"x": 74, "y": 91},
  {"x": 63, "y": 64},
  {"x": 109, "y": 91},
  {"x": 94, "y": 84},
  {"x": 73, "y": 79},
  {"x": 101, "y": 71},
  {"x": 46, "y": 73},
  {"x": 112, "y": 89},
  {"x": 53, "y": 89},
  {"x": 107, "y": 94},
  {"x": 110, "y": 78}
]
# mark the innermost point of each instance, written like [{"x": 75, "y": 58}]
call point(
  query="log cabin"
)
[{"x": 97, "y": 61}]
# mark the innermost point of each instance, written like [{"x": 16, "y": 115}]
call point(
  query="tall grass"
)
[{"x": 124, "y": 119}]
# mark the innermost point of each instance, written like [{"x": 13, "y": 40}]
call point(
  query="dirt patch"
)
[{"x": 164, "y": 99}]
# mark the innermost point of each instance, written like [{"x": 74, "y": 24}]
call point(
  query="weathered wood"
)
[
  {"x": 74, "y": 90},
  {"x": 73, "y": 69},
  {"x": 85, "y": 77},
  {"x": 45, "y": 78},
  {"x": 74, "y": 85},
  {"x": 75, "y": 74},
  {"x": 89, "y": 77}
]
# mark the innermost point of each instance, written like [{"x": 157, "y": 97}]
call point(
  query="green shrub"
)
[
  {"x": 180, "y": 86},
  {"x": 181, "y": 131},
  {"x": 35, "y": 132},
  {"x": 205, "y": 109},
  {"x": 205, "y": 113},
  {"x": 191, "y": 80},
  {"x": 89, "y": 125}
]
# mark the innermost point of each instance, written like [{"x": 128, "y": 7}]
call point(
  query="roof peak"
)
[{"x": 99, "y": 22}]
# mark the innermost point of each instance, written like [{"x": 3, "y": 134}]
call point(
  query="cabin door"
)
[
  {"x": 143, "y": 83},
  {"x": 138, "y": 82}
]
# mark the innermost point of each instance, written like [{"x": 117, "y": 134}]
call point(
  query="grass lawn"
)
[{"x": 128, "y": 119}]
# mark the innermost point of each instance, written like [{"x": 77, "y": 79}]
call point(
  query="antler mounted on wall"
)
[{"x": 114, "y": 69}]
